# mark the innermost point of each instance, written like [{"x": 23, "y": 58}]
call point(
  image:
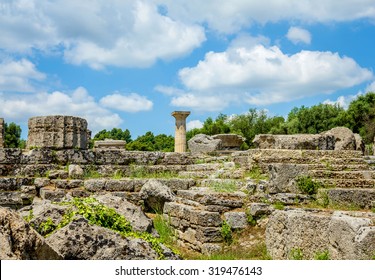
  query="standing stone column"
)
[
  {"x": 180, "y": 132},
  {"x": 1, "y": 133}
]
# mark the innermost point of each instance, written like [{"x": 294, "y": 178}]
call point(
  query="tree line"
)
[{"x": 359, "y": 117}]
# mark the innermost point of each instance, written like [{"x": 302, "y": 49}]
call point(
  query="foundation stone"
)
[
  {"x": 1, "y": 133},
  {"x": 58, "y": 132}
]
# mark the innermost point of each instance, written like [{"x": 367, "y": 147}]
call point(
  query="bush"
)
[
  {"x": 307, "y": 185},
  {"x": 226, "y": 233}
]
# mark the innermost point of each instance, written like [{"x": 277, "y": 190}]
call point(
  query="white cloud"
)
[
  {"x": 200, "y": 102},
  {"x": 230, "y": 16},
  {"x": 127, "y": 103},
  {"x": 194, "y": 124},
  {"x": 265, "y": 75},
  {"x": 97, "y": 33},
  {"x": 298, "y": 35},
  {"x": 370, "y": 87},
  {"x": 19, "y": 108},
  {"x": 18, "y": 75}
]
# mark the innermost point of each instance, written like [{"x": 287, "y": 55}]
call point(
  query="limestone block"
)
[
  {"x": 51, "y": 194},
  {"x": 236, "y": 220},
  {"x": 359, "y": 143},
  {"x": 202, "y": 143},
  {"x": 155, "y": 194},
  {"x": 1, "y": 133},
  {"x": 110, "y": 144},
  {"x": 283, "y": 175},
  {"x": 344, "y": 138},
  {"x": 295, "y": 141},
  {"x": 26, "y": 243},
  {"x": 230, "y": 141},
  {"x": 75, "y": 171},
  {"x": 260, "y": 209},
  {"x": 58, "y": 132}
]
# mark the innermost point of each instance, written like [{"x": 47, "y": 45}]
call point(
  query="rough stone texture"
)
[
  {"x": 344, "y": 236},
  {"x": 1, "y": 133},
  {"x": 110, "y": 144},
  {"x": 202, "y": 143},
  {"x": 180, "y": 131},
  {"x": 260, "y": 209},
  {"x": 155, "y": 194},
  {"x": 362, "y": 198},
  {"x": 236, "y": 220},
  {"x": 75, "y": 171},
  {"x": 230, "y": 141},
  {"x": 18, "y": 241},
  {"x": 58, "y": 132},
  {"x": 344, "y": 138},
  {"x": 134, "y": 214},
  {"x": 295, "y": 141},
  {"x": 91, "y": 242},
  {"x": 282, "y": 177},
  {"x": 359, "y": 143}
]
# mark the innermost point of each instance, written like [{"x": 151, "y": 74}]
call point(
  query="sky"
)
[{"x": 130, "y": 63}]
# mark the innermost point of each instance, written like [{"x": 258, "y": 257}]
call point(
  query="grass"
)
[
  {"x": 322, "y": 255},
  {"x": 141, "y": 172},
  {"x": 166, "y": 232},
  {"x": 257, "y": 252},
  {"x": 224, "y": 187},
  {"x": 256, "y": 173},
  {"x": 296, "y": 254},
  {"x": 91, "y": 173},
  {"x": 307, "y": 185},
  {"x": 278, "y": 205}
]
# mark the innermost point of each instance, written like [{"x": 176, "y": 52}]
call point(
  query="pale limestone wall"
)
[
  {"x": 180, "y": 132},
  {"x": 1, "y": 133},
  {"x": 58, "y": 132}
]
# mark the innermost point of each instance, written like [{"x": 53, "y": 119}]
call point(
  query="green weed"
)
[
  {"x": 296, "y": 254},
  {"x": 224, "y": 186},
  {"x": 322, "y": 255},
  {"x": 226, "y": 233},
  {"x": 307, "y": 185}
]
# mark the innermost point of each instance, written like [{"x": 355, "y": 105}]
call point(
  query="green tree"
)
[
  {"x": 115, "y": 134},
  {"x": 12, "y": 135},
  {"x": 314, "y": 119},
  {"x": 150, "y": 142},
  {"x": 361, "y": 116}
]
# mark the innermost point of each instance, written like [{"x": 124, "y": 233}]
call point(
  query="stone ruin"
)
[
  {"x": 58, "y": 132},
  {"x": 1, "y": 133},
  {"x": 219, "y": 143},
  {"x": 110, "y": 144},
  {"x": 200, "y": 194}
]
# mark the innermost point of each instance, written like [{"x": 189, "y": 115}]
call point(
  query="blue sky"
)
[{"x": 130, "y": 63}]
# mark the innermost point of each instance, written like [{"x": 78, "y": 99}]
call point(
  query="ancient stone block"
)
[
  {"x": 51, "y": 194},
  {"x": 202, "y": 143},
  {"x": 58, "y": 132},
  {"x": 1, "y": 133},
  {"x": 295, "y": 141},
  {"x": 236, "y": 220},
  {"x": 230, "y": 141},
  {"x": 344, "y": 138},
  {"x": 110, "y": 144}
]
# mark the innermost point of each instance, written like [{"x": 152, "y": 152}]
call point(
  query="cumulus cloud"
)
[
  {"x": 97, "y": 33},
  {"x": 126, "y": 103},
  {"x": 298, "y": 35},
  {"x": 194, "y": 124},
  {"x": 18, "y": 75},
  {"x": 262, "y": 75},
  {"x": 230, "y": 16},
  {"x": 19, "y": 108}
]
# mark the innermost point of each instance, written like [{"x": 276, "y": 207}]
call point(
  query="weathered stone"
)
[
  {"x": 260, "y": 209},
  {"x": 58, "y": 132},
  {"x": 52, "y": 194},
  {"x": 205, "y": 218},
  {"x": 67, "y": 184},
  {"x": 359, "y": 143},
  {"x": 350, "y": 197},
  {"x": 155, "y": 194},
  {"x": 290, "y": 198},
  {"x": 236, "y": 220},
  {"x": 95, "y": 185},
  {"x": 230, "y": 141},
  {"x": 18, "y": 241},
  {"x": 1, "y": 133},
  {"x": 180, "y": 131},
  {"x": 14, "y": 184},
  {"x": 58, "y": 174},
  {"x": 343, "y": 236},
  {"x": 344, "y": 138},
  {"x": 75, "y": 171},
  {"x": 139, "y": 221},
  {"x": 110, "y": 144},
  {"x": 202, "y": 143},
  {"x": 208, "y": 234},
  {"x": 122, "y": 185},
  {"x": 80, "y": 240},
  {"x": 295, "y": 141},
  {"x": 283, "y": 176},
  {"x": 41, "y": 182}
]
